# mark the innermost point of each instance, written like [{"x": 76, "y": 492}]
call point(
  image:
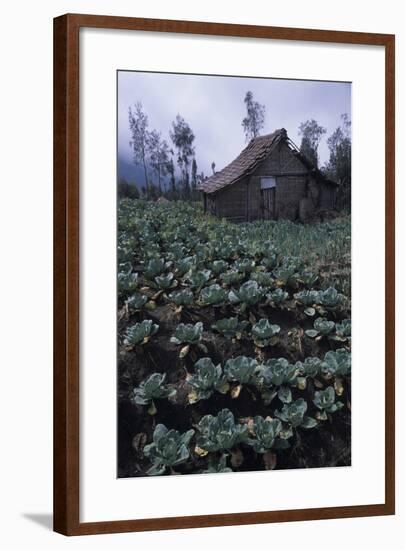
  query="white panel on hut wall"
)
[{"x": 267, "y": 183}]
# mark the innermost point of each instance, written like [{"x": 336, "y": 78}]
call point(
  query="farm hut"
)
[{"x": 270, "y": 179}]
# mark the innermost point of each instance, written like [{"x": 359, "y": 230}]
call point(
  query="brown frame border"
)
[{"x": 66, "y": 272}]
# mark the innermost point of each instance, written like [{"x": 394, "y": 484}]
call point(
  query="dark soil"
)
[{"x": 326, "y": 445}]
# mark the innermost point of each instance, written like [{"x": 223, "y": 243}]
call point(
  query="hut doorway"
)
[{"x": 268, "y": 192}]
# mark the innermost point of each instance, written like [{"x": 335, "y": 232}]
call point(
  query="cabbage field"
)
[{"x": 233, "y": 342}]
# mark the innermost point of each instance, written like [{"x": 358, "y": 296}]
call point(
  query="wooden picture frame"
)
[{"x": 67, "y": 284}]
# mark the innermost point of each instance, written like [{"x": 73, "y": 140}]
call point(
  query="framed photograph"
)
[{"x": 223, "y": 274}]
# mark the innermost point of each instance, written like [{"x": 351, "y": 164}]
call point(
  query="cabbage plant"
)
[
  {"x": 281, "y": 374},
  {"x": 127, "y": 282},
  {"x": 225, "y": 250},
  {"x": 168, "y": 449},
  {"x": 221, "y": 432},
  {"x": 230, "y": 277},
  {"x": 241, "y": 369},
  {"x": 326, "y": 401},
  {"x": 219, "y": 266},
  {"x": 182, "y": 297},
  {"x": 286, "y": 275},
  {"x": 270, "y": 260},
  {"x": 154, "y": 267},
  {"x": 278, "y": 297},
  {"x": 330, "y": 298},
  {"x": 294, "y": 414},
  {"x": 206, "y": 379},
  {"x": 217, "y": 466},
  {"x": 152, "y": 388},
  {"x": 175, "y": 252},
  {"x": 263, "y": 333},
  {"x": 263, "y": 278},
  {"x": 136, "y": 302},
  {"x": 265, "y": 433},
  {"x": 165, "y": 282},
  {"x": 336, "y": 363},
  {"x": 278, "y": 372},
  {"x": 213, "y": 295},
  {"x": 245, "y": 265},
  {"x": 343, "y": 331},
  {"x": 310, "y": 367},
  {"x": 184, "y": 265},
  {"x": 322, "y": 327},
  {"x": 187, "y": 333},
  {"x": 308, "y": 278},
  {"x": 197, "y": 279},
  {"x": 307, "y": 297},
  {"x": 230, "y": 327},
  {"x": 140, "y": 333},
  {"x": 248, "y": 294}
]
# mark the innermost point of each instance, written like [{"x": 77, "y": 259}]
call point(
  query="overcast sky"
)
[{"x": 214, "y": 108}]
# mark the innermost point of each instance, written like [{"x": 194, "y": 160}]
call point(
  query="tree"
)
[
  {"x": 127, "y": 190},
  {"x": 254, "y": 120},
  {"x": 159, "y": 156},
  {"x": 338, "y": 168},
  {"x": 194, "y": 175},
  {"x": 138, "y": 125},
  {"x": 311, "y": 133},
  {"x": 170, "y": 169},
  {"x": 182, "y": 137},
  {"x": 213, "y": 167}
]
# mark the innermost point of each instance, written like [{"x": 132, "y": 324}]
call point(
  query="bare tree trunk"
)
[
  {"x": 159, "y": 184},
  {"x": 146, "y": 177}
]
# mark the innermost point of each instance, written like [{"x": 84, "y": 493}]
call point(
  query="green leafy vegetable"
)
[
  {"x": 219, "y": 433},
  {"x": 265, "y": 432},
  {"x": 294, "y": 414},
  {"x": 263, "y": 333},
  {"x": 154, "y": 267},
  {"x": 263, "y": 278},
  {"x": 213, "y": 295},
  {"x": 337, "y": 363},
  {"x": 248, "y": 294},
  {"x": 230, "y": 327},
  {"x": 325, "y": 401},
  {"x": 206, "y": 379},
  {"x": 168, "y": 449},
  {"x": 230, "y": 277},
  {"x": 127, "y": 282},
  {"x": 187, "y": 333},
  {"x": 182, "y": 297},
  {"x": 136, "y": 302},
  {"x": 140, "y": 333},
  {"x": 241, "y": 369},
  {"x": 197, "y": 279},
  {"x": 153, "y": 387},
  {"x": 322, "y": 327},
  {"x": 217, "y": 466},
  {"x": 165, "y": 281},
  {"x": 278, "y": 296}
]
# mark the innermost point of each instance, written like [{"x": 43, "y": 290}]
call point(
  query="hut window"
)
[{"x": 267, "y": 183}]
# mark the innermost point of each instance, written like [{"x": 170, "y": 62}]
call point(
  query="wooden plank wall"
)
[{"x": 289, "y": 189}]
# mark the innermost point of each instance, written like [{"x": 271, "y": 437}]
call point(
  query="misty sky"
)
[{"x": 214, "y": 108}]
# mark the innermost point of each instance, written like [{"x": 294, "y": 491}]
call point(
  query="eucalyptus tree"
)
[
  {"x": 311, "y": 133},
  {"x": 183, "y": 137},
  {"x": 253, "y": 122},
  {"x": 138, "y": 126},
  {"x": 159, "y": 156}
]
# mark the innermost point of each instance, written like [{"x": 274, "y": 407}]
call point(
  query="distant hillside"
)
[{"x": 130, "y": 172}]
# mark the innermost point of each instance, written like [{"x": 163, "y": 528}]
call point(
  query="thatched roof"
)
[{"x": 244, "y": 164}]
